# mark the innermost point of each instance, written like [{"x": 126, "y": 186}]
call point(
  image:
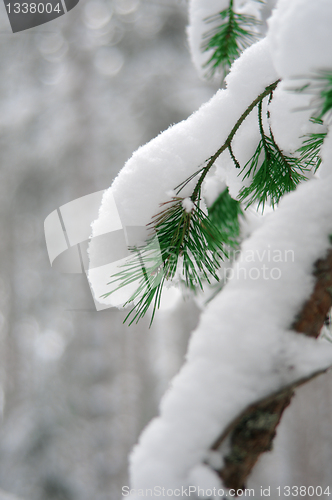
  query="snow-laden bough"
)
[{"x": 243, "y": 348}]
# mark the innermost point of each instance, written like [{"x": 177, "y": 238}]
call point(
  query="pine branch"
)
[
  {"x": 185, "y": 243},
  {"x": 210, "y": 162},
  {"x": 236, "y": 163},
  {"x": 228, "y": 39},
  {"x": 144, "y": 267},
  {"x": 253, "y": 431}
]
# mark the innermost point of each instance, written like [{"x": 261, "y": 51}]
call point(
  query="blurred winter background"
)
[{"x": 77, "y": 97}]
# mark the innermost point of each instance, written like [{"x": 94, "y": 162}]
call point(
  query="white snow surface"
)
[
  {"x": 300, "y": 34},
  {"x": 242, "y": 349}
]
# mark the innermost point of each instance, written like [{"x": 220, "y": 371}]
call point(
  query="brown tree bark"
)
[{"x": 252, "y": 432}]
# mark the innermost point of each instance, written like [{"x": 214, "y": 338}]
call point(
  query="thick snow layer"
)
[
  {"x": 242, "y": 349},
  {"x": 300, "y": 36}
]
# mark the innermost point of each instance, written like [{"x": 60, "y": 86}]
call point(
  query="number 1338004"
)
[
  {"x": 32, "y": 8},
  {"x": 303, "y": 491}
]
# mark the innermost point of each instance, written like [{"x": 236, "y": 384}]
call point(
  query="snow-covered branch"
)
[
  {"x": 247, "y": 354},
  {"x": 173, "y": 156},
  {"x": 252, "y": 433},
  {"x": 243, "y": 349}
]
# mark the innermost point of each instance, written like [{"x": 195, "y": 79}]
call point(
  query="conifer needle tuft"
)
[
  {"x": 228, "y": 39},
  {"x": 184, "y": 243}
]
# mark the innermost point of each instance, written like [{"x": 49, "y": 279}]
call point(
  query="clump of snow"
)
[
  {"x": 212, "y": 188},
  {"x": 204, "y": 479},
  {"x": 299, "y": 32},
  {"x": 187, "y": 205}
]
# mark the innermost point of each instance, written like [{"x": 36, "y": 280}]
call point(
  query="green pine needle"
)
[
  {"x": 144, "y": 267},
  {"x": 228, "y": 39},
  {"x": 325, "y": 93},
  {"x": 183, "y": 242},
  {"x": 276, "y": 175},
  {"x": 310, "y": 149},
  {"x": 224, "y": 214},
  {"x": 273, "y": 173},
  {"x": 320, "y": 86}
]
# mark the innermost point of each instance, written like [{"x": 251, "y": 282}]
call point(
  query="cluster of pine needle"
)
[
  {"x": 320, "y": 85},
  {"x": 184, "y": 243},
  {"x": 273, "y": 173},
  {"x": 228, "y": 39}
]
